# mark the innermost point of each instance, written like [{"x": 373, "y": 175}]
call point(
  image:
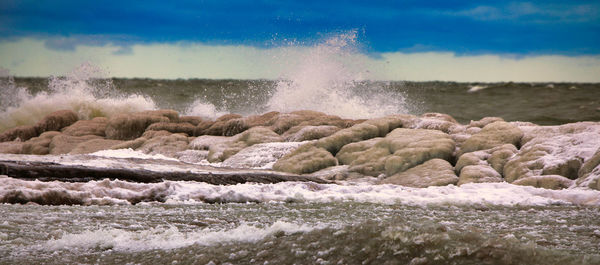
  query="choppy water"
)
[
  {"x": 541, "y": 103},
  {"x": 300, "y": 233}
]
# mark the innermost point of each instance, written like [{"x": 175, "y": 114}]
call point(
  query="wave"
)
[
  {"x": 83, "y": 90},
  {"x": 330, "y": 77},
  {"x": 170, "y": 237}
]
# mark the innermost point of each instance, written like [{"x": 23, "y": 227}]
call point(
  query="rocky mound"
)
[{"x": 418, "y": 151}]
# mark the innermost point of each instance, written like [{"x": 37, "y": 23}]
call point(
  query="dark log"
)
[{"x": 45, "y": 171}]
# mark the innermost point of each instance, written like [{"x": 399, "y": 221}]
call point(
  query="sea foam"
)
[
  {"x": 170, "y": 237},
  {"x": 185, "y": 192},
  {"x": 84, "y": 90}
]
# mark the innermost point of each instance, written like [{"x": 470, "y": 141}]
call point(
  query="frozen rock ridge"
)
[{"x": 415, "y": 151}]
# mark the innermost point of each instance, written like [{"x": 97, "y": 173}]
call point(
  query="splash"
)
[
  {"x": 332, "y": 77},
  {"x": 204, "y": 109},
  {"x": 84, "y": 90}
]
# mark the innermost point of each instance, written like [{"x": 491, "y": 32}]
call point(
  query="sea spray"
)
[
  {"x": 331, "y": 77},
  {"x": 84, "y": 90}
]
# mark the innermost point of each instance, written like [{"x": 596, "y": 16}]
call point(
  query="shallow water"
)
[{"x": 301, "y": 233}]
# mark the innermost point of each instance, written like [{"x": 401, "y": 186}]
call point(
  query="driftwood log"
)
[{"x": 46, "y": 171}]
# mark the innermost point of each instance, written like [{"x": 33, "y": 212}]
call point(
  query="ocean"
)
[{"x": 351, "y": 220}]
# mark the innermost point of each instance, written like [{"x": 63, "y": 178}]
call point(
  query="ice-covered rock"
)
[
  {"x": 554, "y": 150},
  {"x": 478, "y": 174},
  {"x": 22, "y": 133},
  {"x": 435, "y": 172},
  {"x": 173, "y": 127},
  {"x": 260, "y": 155},
  {"x": 39, "y": 145},
  {"x": 494, "y": 134},
  {"x": 131, "y": 126},
  {"x": 553, "y": 182},
  {"x": 256, "y": 135},
  {"x": 396, "y": 152},
  {"x": 309, "y": 132},
  {"x": 63, "y": 144},
  {"x": 94, "y": 145},
  {"x": 95, "y": 126},
  {"x": 167, "y": 145},
  {"x": 306, "y": 159}
]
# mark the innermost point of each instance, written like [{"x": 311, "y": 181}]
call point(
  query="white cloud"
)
[{"x": 30, "y": 57}]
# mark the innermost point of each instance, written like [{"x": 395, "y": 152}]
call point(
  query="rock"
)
[
  {"x": 167, "y": 145},
  {"x": 353, "y": 151},
  {"x": 227, "y": 125},
  {"x": 173, "y": 127},
  {"x": 554, "y": 182},
  {"x": 39, "y": 145},
  {"x": 56, "y": 121},
  {"x": 131, "y": 126},
  {"x": 21, "y": 133},
  {"x": 284, "y": 121},
  {"x": 261, "y": 120},
  {"x": 260, "y": 155},
  {"x": 492, "y": 135},
  {"x": 95, "y": 145},
  {"x": 484, "y": 121},
  {"x": 172, "y": 115},
  {"x": 12, "y": 147},
  {"x": 356, "y": 133},
  {"x": 154, "y": 134},
  {"x": 256, "y": 135},
  {"x": 433, "y": 121},
  {"x": 202, "y": 127},
  {"x": 554, "y": 150},
  {"x": 478, "y": 174},
  {"x": 306, "y": 159},
  {"x": 334, "y": 173},
  {"x": 131, "y": 144},
  {"x": 398, "y": 151},
  {"x": 589, "y": 173},
  {"x": 96, "y": 126},
  {"x": 472, "y": 159},
  {"x": 369, "y": 129},
  {"x": 495, "y": 157},
  {"x": 193, "y": 120},
  {"x": 192, "y": 156},
  {"x": 435, "y": 172},
  {"x": 499, "y": 155},
  {"x": 590, "y": 180},
  {"x": 439, "y": 116},
  {"x": 205, "y": 141},
  {"x": 305, "y": 133},
  {"x": 590, "y": 164},
  {"x": 63, "y": 144}
]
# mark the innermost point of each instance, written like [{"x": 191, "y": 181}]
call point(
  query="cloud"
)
[
  {"x": 197, "y": 60},
  {"x": 537, "y": 13}
]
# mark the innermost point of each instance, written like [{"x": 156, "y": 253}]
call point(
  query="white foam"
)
[
  {"x": 82, "y": 91},
  {"x": 476, "y": 88},
  {"x": 129, "y": 153},
  {"x": 170, "y": 237},
  {"x": 185, "y": 192},
  {"x": 327, "y": 79},
  {"x": 204, "y": 109}
]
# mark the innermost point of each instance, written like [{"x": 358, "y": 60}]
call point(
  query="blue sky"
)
[{"x": 567, "y": 29}]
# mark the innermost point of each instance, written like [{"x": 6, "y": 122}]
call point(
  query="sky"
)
[{"x": 395, "y": 40}]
